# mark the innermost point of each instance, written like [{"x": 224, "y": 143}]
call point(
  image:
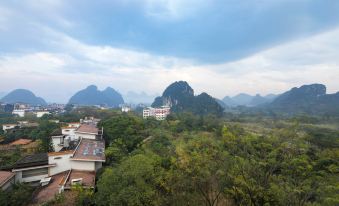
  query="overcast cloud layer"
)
[{"x": 56, "y": 47}]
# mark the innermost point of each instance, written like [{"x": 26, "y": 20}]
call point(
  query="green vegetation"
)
[
  {"x": 20, "y": 194},
  {"x": 204, "y": 160},
  {"x": 238, "y": 159}
]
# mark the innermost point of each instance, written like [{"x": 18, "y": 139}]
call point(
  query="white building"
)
[
  {"x": 6, "y": 127},
  {"x": 88, "y": 131},
  {"x": 158, "y": 113},
  {"x": 82, "y": 156},
  {"x": 19, "y": 112},
  {"x": 39, "y": 114},
  {"x": 125, "y": 109}
]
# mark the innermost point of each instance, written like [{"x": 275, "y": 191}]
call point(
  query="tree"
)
[{"x": 135, "y": 181}]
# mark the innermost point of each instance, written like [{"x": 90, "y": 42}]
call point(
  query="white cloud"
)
[{"x": 74, "y": 65}]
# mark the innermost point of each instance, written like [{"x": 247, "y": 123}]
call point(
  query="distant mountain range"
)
[
  {"x": 243, "y": 99},
  {"x": 310, "y": 99},
  {"x": 92, "y": 96},
  {"x": 136, "y": 98},
  {"x": 2, "y": 94},
  {"x": 23, "y": 96},
  {"x": 180, "y": 96}
]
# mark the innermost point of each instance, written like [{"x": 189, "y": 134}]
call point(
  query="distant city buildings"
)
[
  {"x": 158, "y": 113},
  {"x": 21, "y": 110},
  {"x": 125, "y": 108}
]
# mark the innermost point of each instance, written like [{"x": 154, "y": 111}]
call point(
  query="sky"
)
[{"x": 223, "y": 47}]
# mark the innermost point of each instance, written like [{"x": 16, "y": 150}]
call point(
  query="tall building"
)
[{"x": 159, "y": 113}]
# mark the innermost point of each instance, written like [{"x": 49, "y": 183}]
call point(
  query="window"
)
[{"x": 35, "y": 172}]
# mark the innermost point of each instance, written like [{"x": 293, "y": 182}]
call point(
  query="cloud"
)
[{"x": 74, "y": 64}]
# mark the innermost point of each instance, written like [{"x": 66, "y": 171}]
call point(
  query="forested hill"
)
[
  {"x": 92, "y": 96},
  {"x": 23, "y": 96},
  {"x": 311, "y": 99},
  {"x": 180, "y": 96}
]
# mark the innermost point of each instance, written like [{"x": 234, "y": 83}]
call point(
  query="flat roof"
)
[
  {"x": 88, "y": 178},
  {"x": 5, "y": 176},
  {"x": 88, "y": 128},
  {"x": 90, "y": 150}
]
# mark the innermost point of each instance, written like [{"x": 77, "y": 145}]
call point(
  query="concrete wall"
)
[
  {"x": 68, "y": 131},
  {"x": 98, "y": 165},
  {"x": 56, "y": 141},
  {"x": 83, "y": 165},
  {"x": 63, "y": 163},
  {"x": 85, "y": 136},
  {"x": 20, "y": 179}
]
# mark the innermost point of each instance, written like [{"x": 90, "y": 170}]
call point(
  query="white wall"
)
[
  {"x": 6, "y": 127},
  {"x": 56, "y": 140},
  {"x": 85, "y": 136},
  {"x": 20, "y": 113},
  {"x": 68, "y": 131},
  {"x": 40, "y": 114},
  {"x": 63, "y": 163},
  {"x": 83, "y": 165},
  {"x": 19, "y": 178}
]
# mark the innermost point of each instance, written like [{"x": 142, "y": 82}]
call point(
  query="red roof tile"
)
[
  {"x": 21, "y": 142},
  {"x": 5, "y": 176}
]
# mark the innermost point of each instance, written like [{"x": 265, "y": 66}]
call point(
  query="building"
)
[
  {"x": 39, "y": 114},
  {"x": 7, "y": 179},
  {"x": 88, "y": 131},
  {"x": 90, "y": 120},
  {"x": 74, "y": 161},
  {"x": 125, "y": 108},
  {"x": 32, "y": 168},
  {"x": 158, "y": 113},
  {"x": 19, "y": 112},
  {"x": 6, "y": 127}
]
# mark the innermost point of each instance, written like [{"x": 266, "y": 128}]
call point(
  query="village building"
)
[
  {"x": 6, "y": 127},
  {"x": 158, "y": 113},
  {"x": 39, "y": 114},
  {"x": 19, "y": 112},
  {"x": 77, "y": 156}
]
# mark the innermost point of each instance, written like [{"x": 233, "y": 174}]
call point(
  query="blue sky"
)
[{"x": 56, "y": 47}]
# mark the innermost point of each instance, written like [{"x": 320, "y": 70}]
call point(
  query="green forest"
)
[{"x": 192, "y": 160}]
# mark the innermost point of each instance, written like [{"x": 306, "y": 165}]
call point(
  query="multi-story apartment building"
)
[{"x": 158, "y": 113}]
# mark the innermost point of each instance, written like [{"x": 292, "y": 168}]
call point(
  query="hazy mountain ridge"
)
[
  {"x": 243, "y": 99},
  {"x": 92, "y": 96},
  {"x": 311, "y": 99},
  {"x": 180, "y": 96},
  {"x": 138, "y": 97},
  {"x": 2, "y": 94},
  {"x": 23, "y": 96}
]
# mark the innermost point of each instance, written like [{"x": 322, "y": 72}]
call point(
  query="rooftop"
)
[
  {"x": 88, "y": 178},
  {"x": 5, "y": 176},
  {"x": 48, "y": 192},
  {"x": 90, "y": 150},
  {"x": 88, "y": 128},
  {"x": 32, "y": 160},
  {"x": 21, "y": 142}
]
